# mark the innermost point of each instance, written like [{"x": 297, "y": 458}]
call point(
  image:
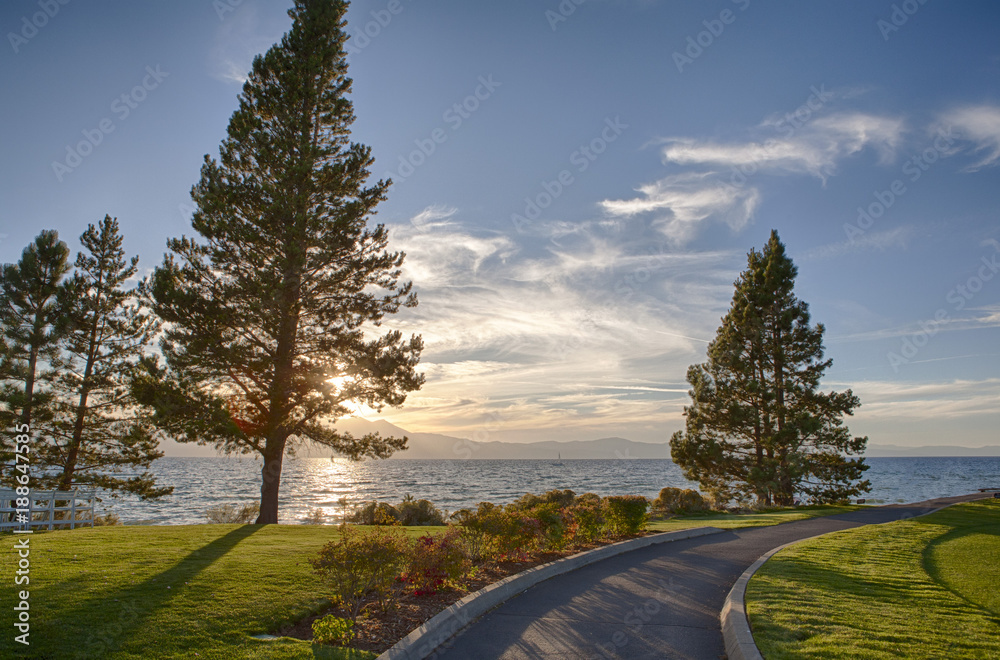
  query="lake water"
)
[{"x": 310, "y": 483}]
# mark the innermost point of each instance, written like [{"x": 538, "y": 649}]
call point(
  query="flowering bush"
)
[
  {"x": 434, "y": 560},
  {"x": 363, "y": 566}
]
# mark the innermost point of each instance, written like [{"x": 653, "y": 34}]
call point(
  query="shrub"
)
[
  {"x": 492, "y": 532},
  {"x": 472, "y": 534},
  {"x": 561, "y": 498},
  {"x": 587, "y": 520},
  {"x": 625, "y": 514},
  {"x": 315, "y": 517},
  {"x": 419, "y": 512},
  {"x": 675, "y": 500},
  {"x": 333, "y": 630},
  {"x": 375, "y": 513},
  {"x": 107, "y": 520},
  {"x": 233, "y": 513},
  {"x": 434, "y": 560},
  {"x": 363, "y": 565},
  {"x": 549, "y": 526}
]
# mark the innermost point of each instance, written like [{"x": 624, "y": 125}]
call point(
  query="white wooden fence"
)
[{"x": 76, "y": 510}]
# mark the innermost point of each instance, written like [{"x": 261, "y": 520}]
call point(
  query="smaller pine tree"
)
[
  {"x": 32, "y": 321},
  {"x": 758, "y": 426},
  {"x": 98, "y": 431}
]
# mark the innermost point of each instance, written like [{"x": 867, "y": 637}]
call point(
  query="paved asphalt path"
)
[{"x": 659, "y": 602}]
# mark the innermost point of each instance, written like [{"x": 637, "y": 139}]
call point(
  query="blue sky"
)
[{"x": 577, "y": 185}]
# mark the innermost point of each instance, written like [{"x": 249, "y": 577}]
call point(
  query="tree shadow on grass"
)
[
  {"x": 937, "y": 573},
  {"x": 104, "y": 625},
  {"x": 891, "y": 587}
]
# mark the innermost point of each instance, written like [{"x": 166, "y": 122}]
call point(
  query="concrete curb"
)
[
  {"x": 736, "y": 631},
  {"x": 735, "y": 625},
  {"x": 422, "y": 642}
]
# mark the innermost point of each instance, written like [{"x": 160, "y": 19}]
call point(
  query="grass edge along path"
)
[
  {"x": 120, "y": 591},
  {"x": 764, "y": 518},
  {"x": 912, "y": 588}
]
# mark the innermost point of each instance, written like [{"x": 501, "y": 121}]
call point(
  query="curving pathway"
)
[{"x": 659, "y": 602}]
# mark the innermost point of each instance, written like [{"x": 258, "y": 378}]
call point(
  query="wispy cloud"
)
[
  {"x": 432, "y": 214},
  {"x": 555, "y": 336},
  {"x": 717, "y": 189},
  {"x": 682, "y": 202},
  {"x": 926, "y": 401},
  {"x": 980, "y": 125},
  {"x": 815, "y": 149}
]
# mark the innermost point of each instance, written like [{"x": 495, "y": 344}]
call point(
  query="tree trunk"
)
[
  {"x": 69, "y": 467},
  {"x": 786, "y": 489},
  {"x": 274, "y": 454},
  {"x": 280, "y": 394},
  {"x": 29, "y": 386}
]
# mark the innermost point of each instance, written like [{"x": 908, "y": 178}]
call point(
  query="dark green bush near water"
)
[
  {"x": 409, "y": 512},
  {"x": 675, "y": 500},
  {"x": 561, "y": 498}
]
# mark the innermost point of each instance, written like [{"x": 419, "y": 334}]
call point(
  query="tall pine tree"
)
[
  {"x": 272, "y": 317},
  {"x": 32, "y": 320},
  {"x": 758, "y": 426},
  {"x": 98, "y": 431}
]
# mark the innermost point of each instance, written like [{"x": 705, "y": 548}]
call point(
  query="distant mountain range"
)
[
  {"x": 433, "y": 445},
  {"x": 436, "y": 446}
]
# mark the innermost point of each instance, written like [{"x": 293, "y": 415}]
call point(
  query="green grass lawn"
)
[
  {"x": 199, "y": 591},
  {"x": 184, "y": 591},
  {"x": 762, "y": 519},
  {"x": 922, "y": 588}
]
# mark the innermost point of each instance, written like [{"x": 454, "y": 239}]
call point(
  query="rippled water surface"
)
[{"x": 308, "y": 483}]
